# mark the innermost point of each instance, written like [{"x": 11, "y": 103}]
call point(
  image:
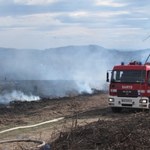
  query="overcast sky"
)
[{"x": 40, "y": 24}]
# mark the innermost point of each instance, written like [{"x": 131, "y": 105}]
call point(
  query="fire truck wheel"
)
[{"x": 116, "y": 109}]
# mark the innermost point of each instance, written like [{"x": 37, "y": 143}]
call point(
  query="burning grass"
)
[{"x": 125, "y": 133}]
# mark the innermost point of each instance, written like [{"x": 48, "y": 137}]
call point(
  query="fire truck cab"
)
[{"x": 129, "y": 86}]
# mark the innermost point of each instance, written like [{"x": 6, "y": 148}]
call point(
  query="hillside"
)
[{"x": 64, "y": 63}]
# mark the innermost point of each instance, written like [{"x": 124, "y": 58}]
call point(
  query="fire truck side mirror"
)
[
  {"x": 107, "y": 77},
  {"x": 149, "y": 82}
]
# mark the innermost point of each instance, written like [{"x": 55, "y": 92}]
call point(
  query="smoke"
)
[
  {"x": 84, "y": 87},
  {"x": 56, "y": 72},
  {"x": 16, "y": 96}
]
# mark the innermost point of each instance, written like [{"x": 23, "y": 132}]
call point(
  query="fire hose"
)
[{"x": 41, "y": 143}]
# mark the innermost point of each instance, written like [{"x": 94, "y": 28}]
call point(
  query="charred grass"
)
[{"x": 129, "y": 133}]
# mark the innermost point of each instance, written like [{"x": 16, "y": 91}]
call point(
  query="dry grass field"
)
[{"x": 88, "y": 124}]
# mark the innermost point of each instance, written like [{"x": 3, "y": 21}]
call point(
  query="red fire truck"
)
[{"x": 129, "y": 86}]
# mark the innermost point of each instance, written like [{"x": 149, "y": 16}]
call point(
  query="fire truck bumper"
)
[{"x": 129, "y": 102}]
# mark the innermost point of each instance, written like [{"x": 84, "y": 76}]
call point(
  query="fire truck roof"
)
[{"x": 132, "y": 66}]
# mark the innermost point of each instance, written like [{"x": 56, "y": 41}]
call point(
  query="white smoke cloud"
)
[
  {"x": 84, "y": 87},
  {"x": 57, "y": 72},
  {"x": 17, "y": 96}
]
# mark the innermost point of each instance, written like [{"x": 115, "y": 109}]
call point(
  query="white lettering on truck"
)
[{"x": 127, "y": 87}]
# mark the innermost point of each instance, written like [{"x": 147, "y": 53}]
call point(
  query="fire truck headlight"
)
[
  {"x": 143, "y": 101},
  {"x": 111, "y": 100}
]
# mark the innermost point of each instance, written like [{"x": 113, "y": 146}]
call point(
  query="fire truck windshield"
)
[{"x": 128, "y": 76}]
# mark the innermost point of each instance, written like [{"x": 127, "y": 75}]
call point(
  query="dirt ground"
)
[
  {"x": 77, "y": 111},
  {"x": 24, "y": 113},
  {"x": 87, "y": 108}
]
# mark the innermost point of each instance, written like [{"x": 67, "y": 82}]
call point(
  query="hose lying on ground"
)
[
  {"x": 31, "y": 126},
  {"x": 41, "y": 143}
]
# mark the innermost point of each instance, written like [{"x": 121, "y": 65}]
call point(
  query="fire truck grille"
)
[{"x": 127, "y": 93}]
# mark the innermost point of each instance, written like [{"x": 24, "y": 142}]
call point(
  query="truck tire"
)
[{"x": 116, "y": 109}]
